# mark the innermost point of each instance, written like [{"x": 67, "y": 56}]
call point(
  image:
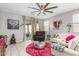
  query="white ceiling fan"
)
[{"x": 43, "y": 9}]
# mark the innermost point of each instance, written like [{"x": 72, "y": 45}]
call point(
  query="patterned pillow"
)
[
  {"x": 73, "y": 43},
  {"x": 77, "y": 48}
]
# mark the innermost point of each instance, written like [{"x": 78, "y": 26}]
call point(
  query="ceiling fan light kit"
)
[{"x": 42, "y": 9}]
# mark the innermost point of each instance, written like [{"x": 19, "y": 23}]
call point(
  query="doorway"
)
[{"x": 28, "y": 31}]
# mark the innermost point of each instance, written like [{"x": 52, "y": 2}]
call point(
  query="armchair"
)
[{"x": 39, "y": 36}]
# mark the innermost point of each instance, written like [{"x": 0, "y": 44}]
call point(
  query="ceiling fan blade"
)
[
  {"x": 51, "y": 8},
  {"x": 44, "y": 13},
  {"x": 46, "y": 5},
  {"x": 49, "y": 11},
  {"x": 38, "y": 13},
  {"x": 38, "y": 5},
  {"x": 35, "y": 11},
  {"x": 33, "y": 8}
]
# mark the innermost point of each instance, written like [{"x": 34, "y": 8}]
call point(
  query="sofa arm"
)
[{"x": 71, "y": 52}]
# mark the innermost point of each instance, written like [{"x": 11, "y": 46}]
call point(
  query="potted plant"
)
[{"x": 13, "y": 39}]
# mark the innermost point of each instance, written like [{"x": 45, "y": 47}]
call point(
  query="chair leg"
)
[
  {"x": 0, "y": 50},
  {"x": 3, "y": 51}
]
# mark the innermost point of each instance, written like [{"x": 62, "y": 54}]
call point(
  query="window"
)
[
  {"x": 37, "y": 27},
  {"x": 75, "y": 18},
  {"x": 75, "y": 23},
  {"x": 28, "y": 29},
  {"x": 46, "y": 25}
]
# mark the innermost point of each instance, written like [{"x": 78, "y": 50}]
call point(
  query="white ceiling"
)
[{"x": 22, "y": 8}]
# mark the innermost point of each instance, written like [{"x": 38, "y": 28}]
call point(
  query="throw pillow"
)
[
  {"x": 73, "y": 43},
  {"x": 69, "y": 37}
]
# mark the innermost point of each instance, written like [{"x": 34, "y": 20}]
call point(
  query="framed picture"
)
[{"x": 12, "y": 24}]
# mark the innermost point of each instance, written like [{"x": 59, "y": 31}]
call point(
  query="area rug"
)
[{"x": 46, "y": 51}]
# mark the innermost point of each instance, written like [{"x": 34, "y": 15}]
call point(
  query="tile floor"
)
[{"x": 17, "y": 49}]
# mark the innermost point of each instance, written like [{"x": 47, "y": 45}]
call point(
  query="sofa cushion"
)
[{"x": 62, "y": 35}]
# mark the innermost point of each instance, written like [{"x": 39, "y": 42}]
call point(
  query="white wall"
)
[
  {"x": 63, "y": 28},
  {"x": 3, "y": 26},
  {"x": 66, "y": 19},
  {"x": 41, "y": 25}
]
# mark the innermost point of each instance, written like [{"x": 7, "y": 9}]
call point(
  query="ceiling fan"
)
[{"x": 43, "y": 9}]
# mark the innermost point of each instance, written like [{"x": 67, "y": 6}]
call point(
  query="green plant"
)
[{"x": 1, "y": 36}]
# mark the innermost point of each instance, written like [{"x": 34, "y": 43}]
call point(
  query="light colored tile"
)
[{"x": 18, "y": 49}]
